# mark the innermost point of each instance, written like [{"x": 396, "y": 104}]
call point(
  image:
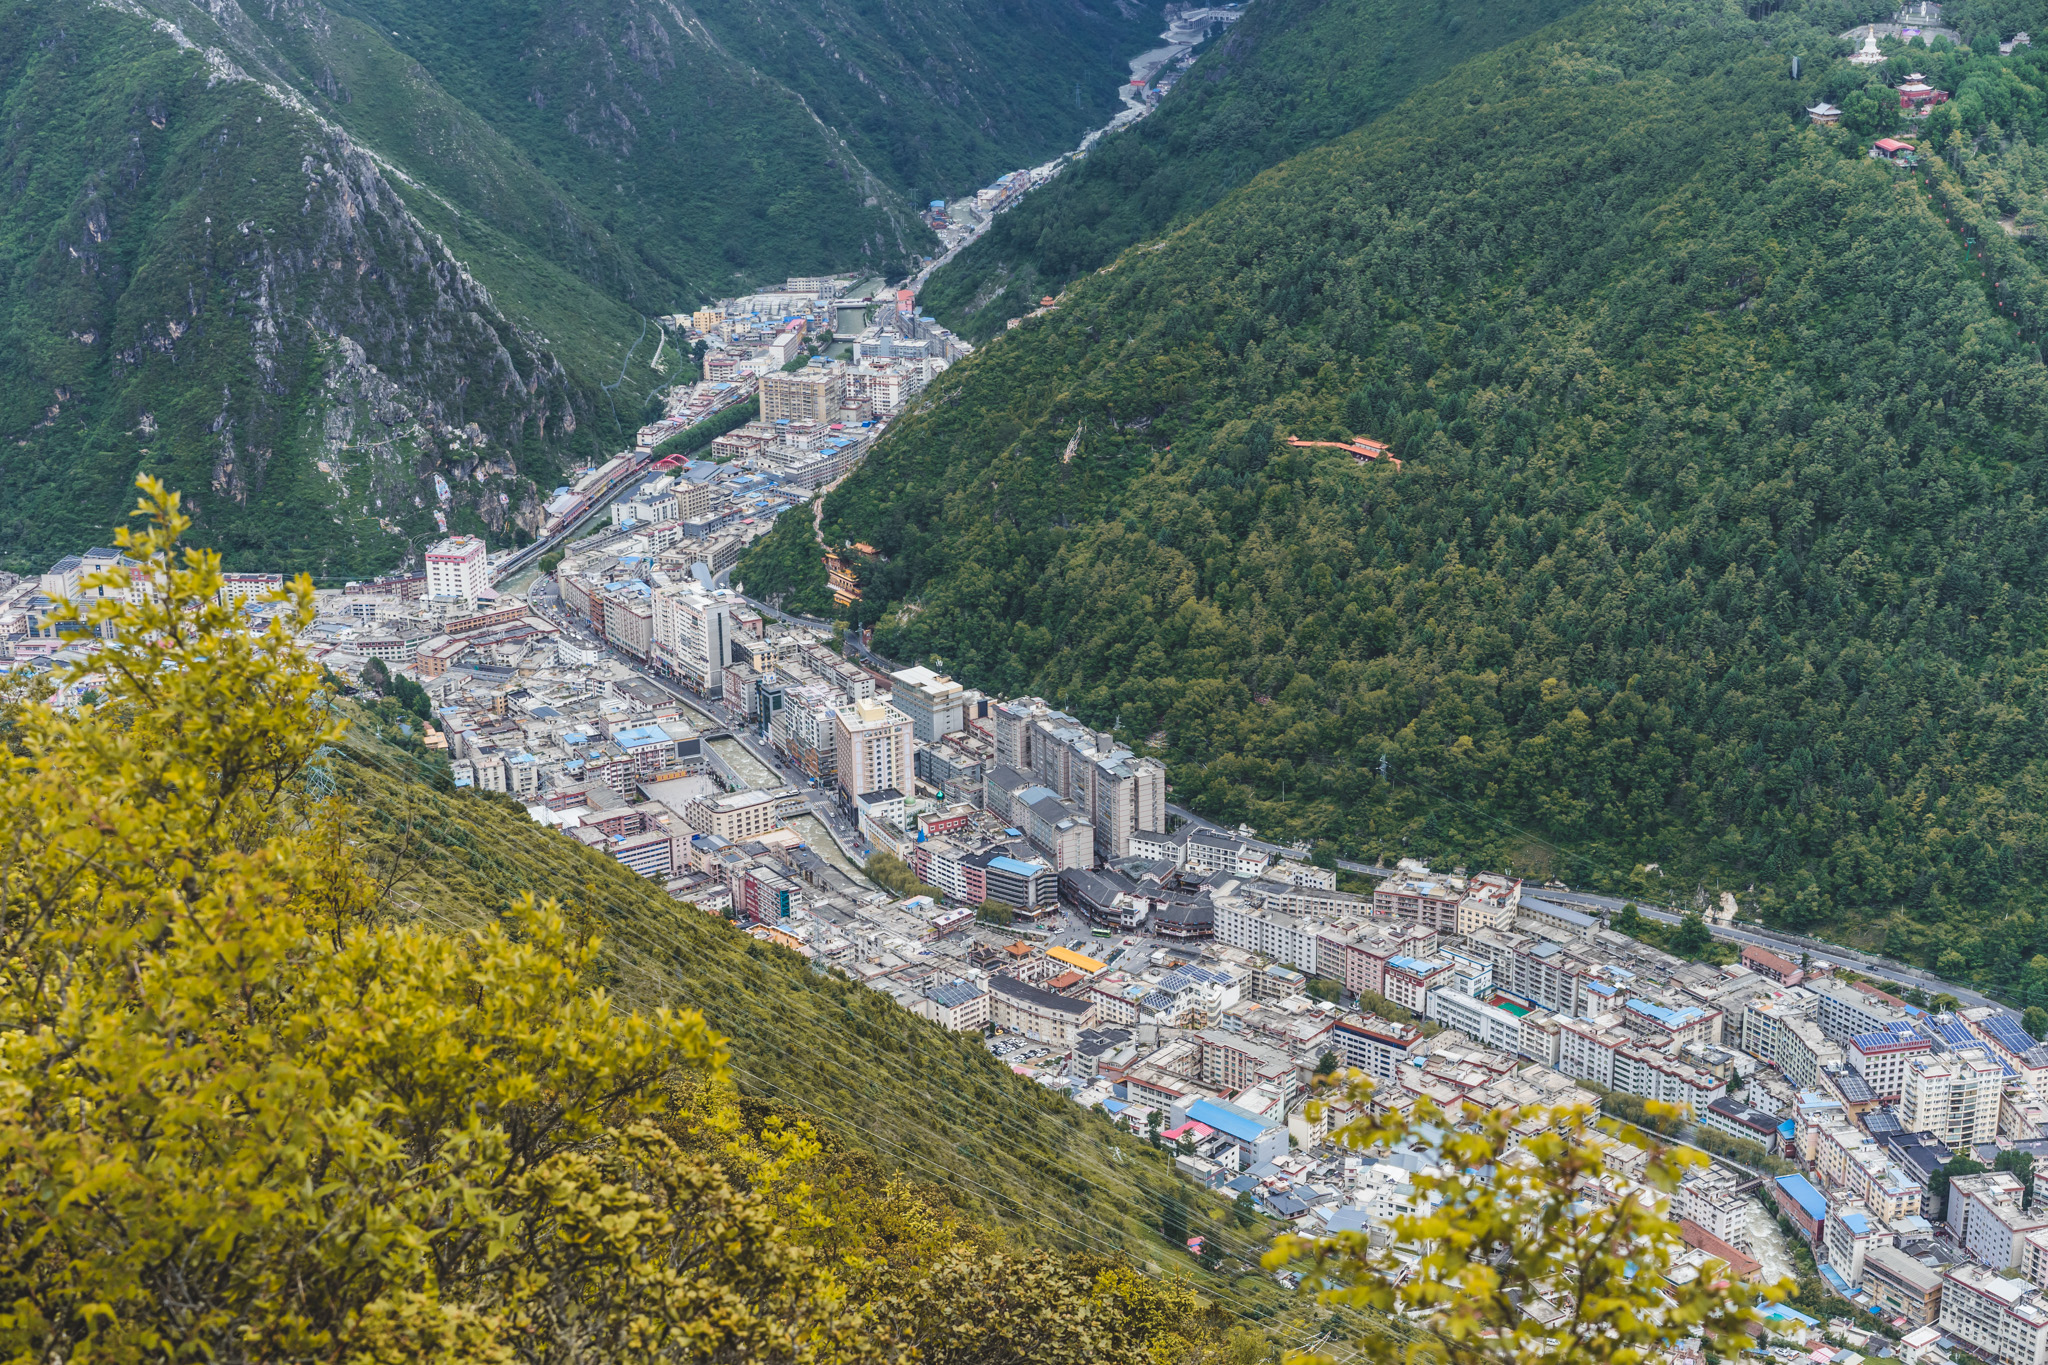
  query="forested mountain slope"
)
[
  {"x": 1290, "y": 74},
  {"x": 932, "y": 1107},
  {"x": 301, "y": 259},
  {"x": 1719, "y": 541}
]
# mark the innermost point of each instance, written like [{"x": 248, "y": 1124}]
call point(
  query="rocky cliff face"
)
[
  {"x": 332, "y": 272},
  {"x": 221, "y": 286}
]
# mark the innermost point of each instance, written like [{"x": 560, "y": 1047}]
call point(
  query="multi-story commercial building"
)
[
  {"x": 811, "y": 394},
  {"x": 1232, "y": 1062},
  {"x": 1357, "y": 955},
  {"x": 1986, "y": 1220},
  {"x": 1881, "y": 1059},
  {"x": 1280, "y": 937},
  {"x": 1374, "y": 1045},
  {"x": 1954, "y": 1096},
  {"x": 957, "y": 1005},
  {"x": 935, "y": 704},
  {"x": 1021, "y": 884},
  {"x": 1047, "y": 1016},
  {"x": 1531, "y": 1035},
  {"x": 1127, "y": 794},
  {"x": 873, "y": 748},
  {"x": 1059, "y": 830},
  {"x": 1535, "y": 968},
  {"x": 693, "y": 632},
  {"x": 1845, "y": 1011},
  {"x": 1999, "y": 1319},
  {"x": 1852, "y": 1230},
  {"x": 1612, "y": 1057},
  {"x": 651, "y": 854},
  {"x": 1409, "y": 980},
  {"x": 1430, "y": 901},
  {"x": 1902, "y": 1285},
  {"x": 457, "y": 569},
  {"x": 736, "y": 816}
]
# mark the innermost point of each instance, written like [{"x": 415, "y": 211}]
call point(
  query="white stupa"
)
[{"x": 1868, "y": 55}]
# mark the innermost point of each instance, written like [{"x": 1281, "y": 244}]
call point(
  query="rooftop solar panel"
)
[{"x": 2002, "y": 1028}]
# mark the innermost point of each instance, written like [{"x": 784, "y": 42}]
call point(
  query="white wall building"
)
[
  {"x": 2000, "y": 1319},
  {"x": 457, "y": 569},
  {"x": 1954, "y": 1096}
]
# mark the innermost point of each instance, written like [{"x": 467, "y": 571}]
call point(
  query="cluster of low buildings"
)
[{"x": 894, "y": 349}]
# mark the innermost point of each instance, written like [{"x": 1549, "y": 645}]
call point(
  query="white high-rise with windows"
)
[
  {"x": 1954, "y": 1096},
  {"x": 874, "y": 750},
  {"x": 457, "y": 569}
]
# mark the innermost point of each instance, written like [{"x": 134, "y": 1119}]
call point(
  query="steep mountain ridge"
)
[
  {"x": 449, "y": 226},
  {"x": 1718, "y": 540},
  {"x": 209, "y": 281},
  {"x": 1288, "y": 75}
]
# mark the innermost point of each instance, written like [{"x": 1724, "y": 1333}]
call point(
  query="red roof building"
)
[{"x": 1918, "y": 96}]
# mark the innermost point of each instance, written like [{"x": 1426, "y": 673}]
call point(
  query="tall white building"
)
[
  {"x": 1128, "y": 795},
  {"x": 1954, "y": 1096},
  {"x": 456, "y": 569},
  {"x": 873, "y": 746},
  {"x": 694, "y": 632}
]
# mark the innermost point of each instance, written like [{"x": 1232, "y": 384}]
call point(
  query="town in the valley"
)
[{"x": 999, "y": 867}]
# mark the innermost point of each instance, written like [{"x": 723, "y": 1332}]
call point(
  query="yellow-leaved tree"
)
[
  {"x": 247, "y": 1114},
  {"x": 244, "y": 1117},
  {"x": 1523, "y": 1246}
]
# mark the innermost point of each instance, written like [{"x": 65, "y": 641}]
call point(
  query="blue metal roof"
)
[
  {"x": 1229, "y": 1120},
  {"x": 1670, "y": 1018},
  {"x": 1013, "y": 866},
  {"x": 1805, "y": 1195},
  {"x": 639, "y": 736}
]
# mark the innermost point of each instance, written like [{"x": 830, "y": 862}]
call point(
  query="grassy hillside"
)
[
  {"x": 1290, "y": 74},
  {"x": 932, "y": 1105},
  {"x": 1718, "y": 543}
]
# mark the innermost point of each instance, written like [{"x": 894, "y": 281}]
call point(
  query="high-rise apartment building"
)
[
  {"x": 1954, "y": 1096},
  {"x": 457, "y": 569},
  {"x": 935, "y": 703},
  {"x": 694, "y": 631},
  {"x": 1129, "y": 794},
  {"x": 811, "y": 394},
  {"x": 873, "y": 748}
]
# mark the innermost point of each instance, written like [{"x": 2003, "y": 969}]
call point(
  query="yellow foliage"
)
[
  {"x": 1497, "y": 1232},
  {"x": 242, "y": 1117}
]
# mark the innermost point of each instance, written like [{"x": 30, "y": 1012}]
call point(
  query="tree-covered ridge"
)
[
  {"x": 1289, "y": 75},
  {"x": 1718, "y": 544}
]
